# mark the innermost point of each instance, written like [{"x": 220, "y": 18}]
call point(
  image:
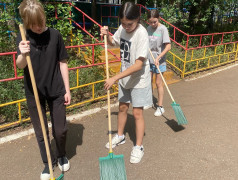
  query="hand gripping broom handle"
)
[
  {"x": 37, "y": 104},
  {"x": 108, "y": 99},
  {"x": 162, "y": 78}
]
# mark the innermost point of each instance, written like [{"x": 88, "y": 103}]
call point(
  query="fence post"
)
[
  {"x": 184, "y": 64},
  {"x": 185, "y": 57},
  {"x": 19, "y": 112},
  {"x": 236, "y": 52}
]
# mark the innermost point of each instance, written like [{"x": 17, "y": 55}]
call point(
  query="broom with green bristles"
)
[
  {"x": 176, "y": 107},
  {"x": 28, "y": 59},
  {"x": 112, "y": 167}
]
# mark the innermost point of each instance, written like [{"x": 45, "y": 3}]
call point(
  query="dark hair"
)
[
  {"x": 154, "y": 13},
  {"x": 130, "y": 11}
]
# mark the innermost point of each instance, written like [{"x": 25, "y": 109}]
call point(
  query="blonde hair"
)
[{"x": 32, "y": 13}]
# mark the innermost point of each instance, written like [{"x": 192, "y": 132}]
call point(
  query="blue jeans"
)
[{"x": 154, "y": 69}]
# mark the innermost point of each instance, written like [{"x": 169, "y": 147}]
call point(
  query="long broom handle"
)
[
  {"x": 28, "y": 59},
  {"x": 162, "y": 78},
  {"x": 108, "y": 99}
]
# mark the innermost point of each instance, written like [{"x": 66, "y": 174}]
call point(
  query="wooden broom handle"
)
[
  {"x": 108, "y": 99},
  {"x": 37, "y": 104},
  {"x": 162, "y": 77}
]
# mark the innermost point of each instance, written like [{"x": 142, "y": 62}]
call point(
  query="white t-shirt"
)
[
  {"x": 132, "y": 46},
  {"x": 157, "y": 39}
]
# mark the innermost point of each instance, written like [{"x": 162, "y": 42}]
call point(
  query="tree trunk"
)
[
  {"x": 94, "y": 10},
  {"x": 210, "y": 20}
]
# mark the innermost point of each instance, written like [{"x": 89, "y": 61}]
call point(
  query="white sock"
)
[
  {"x": 121, "y": 137},
  {"x": 139, "y": 147}
]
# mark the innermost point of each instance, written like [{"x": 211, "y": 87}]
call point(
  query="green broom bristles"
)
[
  {"x": 61, "y": 177},
  {"x": 112, "y": 167},
  {"x": 179, "y": 114}
]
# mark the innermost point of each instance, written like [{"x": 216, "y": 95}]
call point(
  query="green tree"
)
[{"x": 200, "y": 16}]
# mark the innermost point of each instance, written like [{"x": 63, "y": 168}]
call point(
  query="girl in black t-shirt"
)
[{"x": 48, "y": 55}]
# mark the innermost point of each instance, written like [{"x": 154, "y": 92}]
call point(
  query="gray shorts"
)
[{"x": 138, "y": 97}]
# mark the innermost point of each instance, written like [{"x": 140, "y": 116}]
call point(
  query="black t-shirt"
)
[{"x": 46, "y": 50}]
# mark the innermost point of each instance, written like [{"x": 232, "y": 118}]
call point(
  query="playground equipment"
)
[{"x": 109, "y": 16}]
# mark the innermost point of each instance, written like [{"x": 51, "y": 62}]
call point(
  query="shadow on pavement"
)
[
  {"x": 173, "y": 124},
  {"x": 74, "y": 139},
  {"x": 129, "y": 127}
]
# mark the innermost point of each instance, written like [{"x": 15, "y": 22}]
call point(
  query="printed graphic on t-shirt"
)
[
  {"x": 125, "y": 47},
  {"x": 156, "y": 34}
]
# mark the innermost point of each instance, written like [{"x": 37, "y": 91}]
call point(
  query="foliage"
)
[
  {"x": 11, "y": 90},
  {"x": 199, "y": 16},
  {"x": 60, "y": 23},
  {"x": 8, "y": 26}
]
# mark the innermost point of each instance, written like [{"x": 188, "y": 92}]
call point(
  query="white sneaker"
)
[
  {"x": 136, "y": 154},
  {"x": 45, "y": 175},
  {"x": 116, "y": 141},
  {"x": 147, "y": 107},
  {"x": 63, "y": 164},
  {"x": 159, "y": 111}
]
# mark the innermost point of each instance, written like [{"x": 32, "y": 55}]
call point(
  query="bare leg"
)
[
  {"x": 140, "y": 124},
  {"x": 160, "y": 88},
  {"x": 152, "y": 82},
  {"x": 122, "y": 117}
]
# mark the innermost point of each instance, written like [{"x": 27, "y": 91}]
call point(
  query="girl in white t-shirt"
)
[
  {"x": 159, "y": 43},
  {"x": 134, "y": 78}
]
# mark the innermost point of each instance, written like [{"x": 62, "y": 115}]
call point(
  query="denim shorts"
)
[
  {"x": 154, "y": 69},
  {"x": 138, "y": 97}
]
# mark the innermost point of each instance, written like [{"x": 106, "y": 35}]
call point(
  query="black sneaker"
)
[
  {"x": 45, "y": 175},
  {"x": 63, "y": 164}
]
